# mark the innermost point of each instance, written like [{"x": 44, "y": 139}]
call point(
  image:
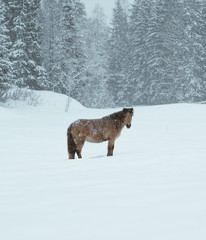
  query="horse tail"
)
[{"x": 70, "y": 143}]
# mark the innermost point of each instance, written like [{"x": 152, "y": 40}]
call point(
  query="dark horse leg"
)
[
  {"x": 71, "y": 150},
  {"x": 70, "y": 144},
  {"x": 79, "y": 148},
  {"x": 110, "y": 148},
  {"x": 79, "y": 154},
  {"x": 71, "y": 155}
]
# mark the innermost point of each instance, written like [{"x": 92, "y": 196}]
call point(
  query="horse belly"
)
[{"x": 95, "y": 139}]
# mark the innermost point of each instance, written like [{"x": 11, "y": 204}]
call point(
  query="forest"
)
[{"x": 151, "y": 52}]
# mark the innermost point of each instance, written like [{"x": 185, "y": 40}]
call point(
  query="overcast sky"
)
[{"x": 107, "y": 5}]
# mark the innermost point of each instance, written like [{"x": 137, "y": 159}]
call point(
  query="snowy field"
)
[{"x": 153, "y": 188}]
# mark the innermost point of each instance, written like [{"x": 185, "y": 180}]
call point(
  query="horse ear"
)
[{"x": 130, "y": 110}]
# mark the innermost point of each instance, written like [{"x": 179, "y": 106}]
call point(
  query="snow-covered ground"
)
[{"x": 153, "y": 188}]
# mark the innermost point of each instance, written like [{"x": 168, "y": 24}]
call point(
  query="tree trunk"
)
[{"x": 68, "y": 104}]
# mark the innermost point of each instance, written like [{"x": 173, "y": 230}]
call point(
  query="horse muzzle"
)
[{"x": 128, "y": 125}]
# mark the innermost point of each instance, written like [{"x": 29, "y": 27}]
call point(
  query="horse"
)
[{"x": 107, "y": 128}]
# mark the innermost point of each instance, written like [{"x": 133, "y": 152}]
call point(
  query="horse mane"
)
[
  {"x": 117, "y": 115},
  {"x": 117, "y": 118}
]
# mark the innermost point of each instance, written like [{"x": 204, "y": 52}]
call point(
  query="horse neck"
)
[
  {"x": 122, "y": 124},
  {"x": 119, "y": 120}
]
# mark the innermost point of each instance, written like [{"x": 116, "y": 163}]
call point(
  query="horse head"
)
[{"x": 129, "y": 112}]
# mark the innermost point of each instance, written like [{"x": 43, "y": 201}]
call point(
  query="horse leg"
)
[
  {"x": 79, "y": 149},
  {"x": 71, "y": 151},
  {"x": 71, "y": 144},
  {"x": 79, "y": 154},
  {"x": 110, "y": 148},
  {"x": 71, "y": 155}
]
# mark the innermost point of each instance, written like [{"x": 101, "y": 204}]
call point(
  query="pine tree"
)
[
  {"x": 5, "y": 44},
  {"x": 195, "y": 51},
  {"x": 32, "y": 37},
  {"x": 139, "y": 34},
  {"x": 19, "y": 55},
  {"x": 118, "y": 56},
  {"x": 96, "y": 35},
  {"x": 51, "y": 41},
  {"x": 25, "y": 52},
  {"x": 200, "y": 50},
  {"x": 63, "y": 46},
  {"x": 72, "y": 58},
  {"x": 168, "y": 54}
]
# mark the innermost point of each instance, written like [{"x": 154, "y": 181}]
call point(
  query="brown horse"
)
[{"x": 97, "y": 130}]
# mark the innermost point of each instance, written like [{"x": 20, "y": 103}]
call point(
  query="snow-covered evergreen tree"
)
[
  {"x": 63, "y": 46},
  {"x": 5, "y": 44},
  {"x": 167, "y": 53},
  {"x": 96, "y": 92},
  {"x": 19, "y": 55},
  {"x": 26, "y": 37},
  {"x": 72, "y": 59},
  {"x": 139, "y": 32},
  {"x": 51, "y": 41},
  {"x": 195, "y": 50},
  {"x": 32, "y": 38},
  {"x": 118, "y": 56}
]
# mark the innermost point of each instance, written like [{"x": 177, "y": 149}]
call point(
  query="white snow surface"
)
[{"x": 153, "y": 188}]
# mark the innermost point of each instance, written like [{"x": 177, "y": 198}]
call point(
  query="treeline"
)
[
  {"x": 158, "y": 53},
  {"x": 152, "y": 52}
]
